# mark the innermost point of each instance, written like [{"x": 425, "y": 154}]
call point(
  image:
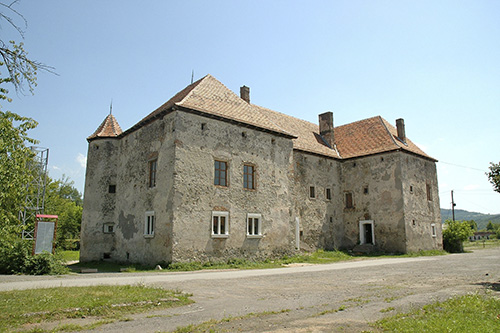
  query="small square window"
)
[
  {"x": 149, "y": 224},
  {"x": 112, "y": 189},
  {"x": 312, "y": 192},
  {"x": 109, "y": 228},
  {"x": 254, "y": 225},
  {"x": 365, "y": 190},
  {"x": 328, "y": 194},
  {"x": 220, "y": 177},
  {"x": 220, "y": 224}
]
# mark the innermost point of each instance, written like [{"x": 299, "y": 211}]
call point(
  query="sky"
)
[{"x": 433, "y": 63}]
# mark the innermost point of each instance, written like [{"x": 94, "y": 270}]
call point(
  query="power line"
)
[{"x": 462, "y": 166}]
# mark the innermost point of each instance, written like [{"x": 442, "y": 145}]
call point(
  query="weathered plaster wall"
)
[
  {"x": 199, "y": 141},
  {"x": 421, "y": 213},
  {"x": 376, "y": 186},
  {"x": 321, "y": 222},
  {"x": 99, "y": 205},
  {"x": 127, "y": 166}
]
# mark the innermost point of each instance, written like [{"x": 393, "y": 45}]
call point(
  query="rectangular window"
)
[
  {"x": 254, "y": 227},
  {"x": 249, "y": 177},
  {"x": 109, "y": 228},
  {"x": 328, "y": 194},
  {"x": 433, "y": 230},
  {"x": 149, "y": 224},
  {"x": 112, "y": 189},
  {"x": 152, "y": 173},
  {"x": 312, "y": 192},
  {"x": 220, "y": 177},
  {"x": 429, "y": 193},
  {"x": 220, "y": 224},
  {"x": 348, "y": 200}
]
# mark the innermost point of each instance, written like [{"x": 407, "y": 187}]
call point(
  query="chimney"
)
[
  {"x": 326, "y": 128},
  {"x": 245, "y": 94},
  {"x": 400, "y": 125}
]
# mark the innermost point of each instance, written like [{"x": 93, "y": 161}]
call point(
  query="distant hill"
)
[{"x": 460, "y": 214}]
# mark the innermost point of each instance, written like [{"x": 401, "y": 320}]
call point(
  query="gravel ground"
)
[{"x": 343, "y": 297}]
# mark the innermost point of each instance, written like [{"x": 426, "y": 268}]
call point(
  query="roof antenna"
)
[
  {"x": 192, "y": 76},
  {"x": 111, "y": 107}
]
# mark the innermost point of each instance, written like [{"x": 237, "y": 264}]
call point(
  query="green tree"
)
[
  {"x": 473, "y": 225},
  {"x": 494, "y": 176},
  {"x": 490, "y": 226},
  {"x": 454, "y": 235}
]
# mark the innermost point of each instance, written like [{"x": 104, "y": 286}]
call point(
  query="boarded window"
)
[
  {"x": 249, "y": 176},
  {"x": 152, "y": 172},
  {"x": 220, "y": 177},
  {"x": 348, "y": 200}
]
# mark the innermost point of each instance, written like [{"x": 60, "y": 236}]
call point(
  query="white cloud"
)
[
  {"x": 82, "y": 159},
  {"x": 56, "y": 168}
]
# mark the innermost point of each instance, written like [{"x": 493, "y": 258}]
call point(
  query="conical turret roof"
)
[{"x": 109, "y": 128}]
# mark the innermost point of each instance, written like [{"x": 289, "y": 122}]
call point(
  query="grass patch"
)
[
  {"x": 470, "y": 313},
  {"x": 389, "y": 309},
  {"x": 104, "y": 303},
  {"x": 69, "y": 255},
  {"x": 209, "y": 326}
]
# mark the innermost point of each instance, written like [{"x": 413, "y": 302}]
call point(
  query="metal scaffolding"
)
[{"x": 35, "y": 191}]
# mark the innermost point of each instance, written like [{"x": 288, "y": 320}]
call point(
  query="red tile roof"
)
[
  {"x": 109, "y": 128},
  {"x": 208, "y": 96}
]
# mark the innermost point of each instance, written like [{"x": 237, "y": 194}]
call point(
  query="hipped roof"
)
[{"x": 209, "y": 97}]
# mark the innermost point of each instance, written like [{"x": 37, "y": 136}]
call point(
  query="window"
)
[
  {"x": 348, "y": 200},
  {"x": 365, "y": 190},
  {"x": 249, "y": 177},
  {"x": 220, "y": 173},
  {"x": 254, "y": 222},
  {"x": 411, "y": 188},
  {"x": 328, "y": 194},
  {"x": 433, "y": 230},
  {"x": 152, "y": 172},
  {"x": 112, "y": 189},
  {"x": 312, "y": 192},
  {"x": 220, "y": 224},
  {"x": 109, "y": 228},
  {"x": 149, "y": 224},
  {"x": 429, "y": 194}
]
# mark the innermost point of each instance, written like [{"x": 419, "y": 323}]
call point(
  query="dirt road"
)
[{"x": 320, "y": 298}]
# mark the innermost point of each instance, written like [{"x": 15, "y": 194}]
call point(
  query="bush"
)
[
  {"x": 454, "y": 235},
  {"x": 16, "y": 258}
]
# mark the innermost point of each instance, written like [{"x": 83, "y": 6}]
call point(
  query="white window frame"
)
[
  {"x": 362, "y": 239},
  {"x": 253, "y": 217},
  {"x": 218, "y": 234},
  {"x": 433, "y": 230},
  {"x": 149, "y": 224}
]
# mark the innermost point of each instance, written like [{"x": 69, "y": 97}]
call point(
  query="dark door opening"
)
[{"x": 368, "y": 233}]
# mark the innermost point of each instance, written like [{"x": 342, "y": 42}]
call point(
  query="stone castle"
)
[{"x": 210, "y": 176}]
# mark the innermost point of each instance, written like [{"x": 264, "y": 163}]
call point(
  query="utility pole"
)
[{"x": 453, "y": 204}]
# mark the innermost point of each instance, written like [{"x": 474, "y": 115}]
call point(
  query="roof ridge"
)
[{"x": 388, "y": 132}]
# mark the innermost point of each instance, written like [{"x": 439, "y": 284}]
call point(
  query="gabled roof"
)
[
  {"x": 109, "y": 128},
  {"x": 209, "y": 97}
]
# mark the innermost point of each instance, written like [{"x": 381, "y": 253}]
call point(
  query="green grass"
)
[
  {"x": 70, "y": 255},
  {"x": 316, "y": 257},
  {"x": 470, "y": 313},
  {"x": 102, "y": 303}
]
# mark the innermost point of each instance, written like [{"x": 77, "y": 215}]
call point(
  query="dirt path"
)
[{"x": 330, "y": 298}]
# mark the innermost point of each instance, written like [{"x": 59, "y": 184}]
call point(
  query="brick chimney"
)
[
  {"x": 326, "y": 128},
  {"x": 400, "y": 126},
  {"x": 245, "y": 94}
]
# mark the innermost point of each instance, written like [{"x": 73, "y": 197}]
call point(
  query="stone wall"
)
[
  {"x": 199, "y": 141},
  {"x": 321, "y": 225}
]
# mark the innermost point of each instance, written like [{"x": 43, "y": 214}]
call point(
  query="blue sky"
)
[{"x": 433, "y": 63}]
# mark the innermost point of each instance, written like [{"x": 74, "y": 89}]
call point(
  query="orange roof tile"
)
[{"x": 109, "y": 128}]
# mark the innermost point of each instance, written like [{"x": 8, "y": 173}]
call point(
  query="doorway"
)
[{"x": 366, "y": 232}]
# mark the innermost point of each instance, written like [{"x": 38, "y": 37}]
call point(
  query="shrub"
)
[{"x": 454, "y": 234}]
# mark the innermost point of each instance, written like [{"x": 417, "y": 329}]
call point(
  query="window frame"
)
[
  {"x": 312, "y": 192},
  {"x": 328, "y": 193},
  {"x": 251, "y": 217},
  {"x": 217, "y": 173},
  {"x": 219, "y": 215},
  {"x": 149, "y": 224},
  {"x": 433, "y": 230},
  {"x": 246, "y": 174},
  {"x": 106, "y": 226},
  {"x": 153, "y": 171}
]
